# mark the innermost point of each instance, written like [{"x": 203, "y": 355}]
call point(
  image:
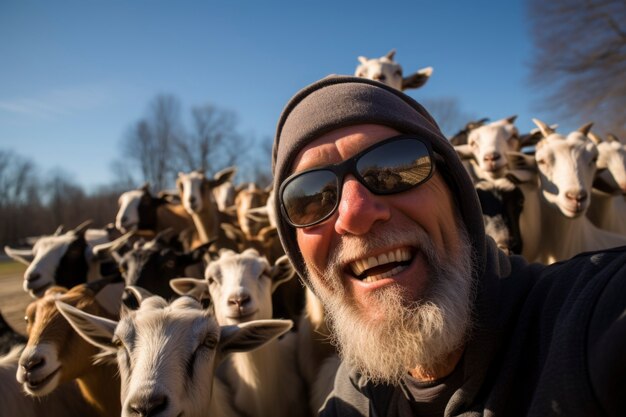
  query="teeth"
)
[
  {"x": 398, "y": 255},
  {"x": 374, "y": 278}
]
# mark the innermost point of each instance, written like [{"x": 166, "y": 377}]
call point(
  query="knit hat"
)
[{"x": 339, "y": 101}]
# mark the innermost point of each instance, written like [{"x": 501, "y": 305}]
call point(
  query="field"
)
[{"x": 13, "y": 299}]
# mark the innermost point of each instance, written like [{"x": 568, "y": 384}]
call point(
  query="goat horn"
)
[
  {"x": 81, "y": 228},
  {"x": 114, "y": 245},
  {"x": 59, "y": 230},
  {"x": 362, "y": 59},
  {"x": 390, "y": 54},
  {"x": 584, "y": 129},
  {"x": 544, "y": 128},
  {"x": 139, "y": 293}
]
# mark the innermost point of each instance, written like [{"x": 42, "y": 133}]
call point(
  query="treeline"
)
[
  {"x": 31, "y": 205},
  {"x": 154, "y": 150}
]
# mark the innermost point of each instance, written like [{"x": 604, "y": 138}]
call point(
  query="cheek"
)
[{"x": 314, "y": 245}]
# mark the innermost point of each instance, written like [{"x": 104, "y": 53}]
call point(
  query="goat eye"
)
[
  {"x": 117, "y": 342},
  {"x": 209, "y": 342}
]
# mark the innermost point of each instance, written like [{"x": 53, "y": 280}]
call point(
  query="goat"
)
[
  {"x": 608, "y": 202},
  {"x": 561, "y": 190},
  {"x": 265, "y": 381},
  {"x": 249, "y": 197},
  {"x": 140, "y": 211},
  {"x": 63, "y": 402},
  {"x": 224, "y": 193},
  {"x": 152, "y": 264},
  {"x": 196, "y": 193},
  {"x": 64, "y": 259},
  {"x": 488, "y": 145},
  {"x": 387, "y": 71},
  {"x": 167, "y": 354},
  {"x": 55, "y": 354}
]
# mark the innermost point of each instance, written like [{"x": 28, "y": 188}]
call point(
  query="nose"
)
[
  {"x": 33, "y": 276},
  {"x": 578, "y": 196},
  {"x": 359, "y": 209},
  {"x": 239, "y": 300},
  {"x": 33, "y": 363},
  {"x": 146, "y": 407},
  {"x": 492, "y": 157}
]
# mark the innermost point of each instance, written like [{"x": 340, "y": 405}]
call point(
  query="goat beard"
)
[{"x": 404, "y": 334}]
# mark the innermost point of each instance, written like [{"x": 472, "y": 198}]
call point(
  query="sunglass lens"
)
[
  {"x": 310, "y": 197},
  {"x": 395, "y": 166}
]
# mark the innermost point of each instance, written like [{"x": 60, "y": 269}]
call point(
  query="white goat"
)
[
  {"x": 487, "y": 145},
  {"x": 167, "y": 354},
  {"x": 566, "y": 167},
  {"x": 387, "y": 71},
  {"x": 608, "y": 203},
  {"x": 63, "y": 402},
  {"x": 265, "y": 381},
  {"x": 64, "y": 259}
]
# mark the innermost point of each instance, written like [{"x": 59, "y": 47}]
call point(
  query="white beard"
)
[{"x": 406, "y": 333}]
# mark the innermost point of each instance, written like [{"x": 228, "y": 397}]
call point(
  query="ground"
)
[{"x": 13, "y": 298}]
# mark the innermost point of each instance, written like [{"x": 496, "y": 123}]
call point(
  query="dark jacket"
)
[{"x": 549, "y": 341}]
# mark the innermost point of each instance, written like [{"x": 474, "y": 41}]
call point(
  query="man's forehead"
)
[{"x": 340, "y": 144}]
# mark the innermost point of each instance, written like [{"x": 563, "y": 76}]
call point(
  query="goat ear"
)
[
  {"x": 362, "y": 59},
  {"x": 390, "y": 54},
  {"x": 282, "y": 271},
  {"x": 59, "y": 231},
  {"x": 96, "y": 330},
  {"x": 193, "y": 287},
  {"x": 511, "y": 119},
  {"x": 24, "y": 256},
  {"x": 225, "y": 174},
  {"x": 418, "y": 79},
  {"x": 251, "y": 335},
  {"x": 464, "y": 151}
]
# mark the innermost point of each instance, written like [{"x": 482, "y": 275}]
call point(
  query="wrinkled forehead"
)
[{"x": 339, "y": 145}]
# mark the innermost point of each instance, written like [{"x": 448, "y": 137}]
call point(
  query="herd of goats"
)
[{"x": 187, "y": 306}]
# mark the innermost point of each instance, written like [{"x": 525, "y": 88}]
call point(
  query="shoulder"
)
[
  {"x": 354, "y": 397},
  {"x": 346, "y": 399}
]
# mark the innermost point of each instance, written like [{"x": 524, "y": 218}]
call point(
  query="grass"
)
[{"x": 11, "y": 268}]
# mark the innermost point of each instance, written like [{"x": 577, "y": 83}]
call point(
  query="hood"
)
[{"x": 339, "y": 101}]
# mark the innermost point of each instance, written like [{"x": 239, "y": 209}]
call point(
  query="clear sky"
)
[{"x": 75, "y": 75}]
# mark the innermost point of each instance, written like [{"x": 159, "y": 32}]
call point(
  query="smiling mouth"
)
[
  {"x": 385, "y": 265},
  {"x": 38, "y": 384}
]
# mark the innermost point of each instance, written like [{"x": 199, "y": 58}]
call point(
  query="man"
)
[{"x": 381, "y": 220}]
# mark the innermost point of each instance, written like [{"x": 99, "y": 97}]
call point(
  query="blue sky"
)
[{"x": 76, "y": 74}]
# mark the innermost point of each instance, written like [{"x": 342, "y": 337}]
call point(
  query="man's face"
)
[{"x": 381, "y": 258}]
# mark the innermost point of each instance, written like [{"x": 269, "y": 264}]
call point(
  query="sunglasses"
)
[{"x": 391, "y": 166}]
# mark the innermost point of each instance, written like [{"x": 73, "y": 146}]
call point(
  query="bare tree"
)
[
  {"x": 447, "y": 113},
  {"x": 17, "y": 178},
  {"x": 580, "y": 60},
  {"x": 213, "y": 143},
  {"x": 150, "y": 143}
]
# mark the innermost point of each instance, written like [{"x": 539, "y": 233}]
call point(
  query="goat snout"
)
[
  {"x": 33, "y": 363},
  {"x": 492, "y": 157},
  {"x": 148, "y": 407},
  {"x": 33, "y": 276},
  {"x": 577, "y": 196},
  {"x": 239, "y": 300}
]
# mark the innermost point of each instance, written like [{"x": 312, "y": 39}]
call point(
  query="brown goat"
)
[{"x": 55, "y": 354}]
